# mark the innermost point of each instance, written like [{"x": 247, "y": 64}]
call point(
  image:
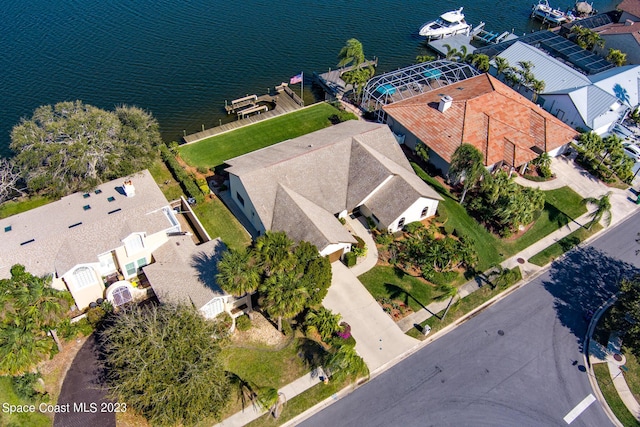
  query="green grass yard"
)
[
  {"x": 562, "y": 205},
  {"x": 8, "y": 396},
  {"x": 563, "y": 245},
  {"x": 220, "y": 222},
  {"x": 611, "y": 396},
  {"x": 214, "y": 151},
  {"x": 388, "y": 282}
]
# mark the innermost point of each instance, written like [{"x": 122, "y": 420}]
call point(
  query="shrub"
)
[
  {"x": 68, "y": 330},
  {"x": 243, "y": 323},
  {"x": 345, "y": 331},
  {"x": 358, "y": 251},
  {"x": 414, "y": 227},
  {"x": 95, "y": 315},
  {"x": 384, "y": 238},
  {"x": 178, "y": 172},
  {"x": 443, "y": 278},
  {"x": 342, "y": 221},
  {"x": 350, "y": 259},
  {"x": 360, "y": 243},
  {"x": 545, "y": 171},
  {"x": 287, "y": 330},
  {"x": 24, "y": 386},
  {"x": 371, "y": 223},
  {"x": 203, "y": 170}
]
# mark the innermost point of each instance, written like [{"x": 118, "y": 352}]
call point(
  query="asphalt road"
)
[{"x": 518, "y": 363}]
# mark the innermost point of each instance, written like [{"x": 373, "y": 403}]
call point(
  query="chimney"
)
[
  {"x": 129, "y": 189},
  {"x": 445, "y": 103},
  {"x": 628, "y": 22}
]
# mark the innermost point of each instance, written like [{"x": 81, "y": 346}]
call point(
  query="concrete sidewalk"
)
[{"x": 289, "y": 391}]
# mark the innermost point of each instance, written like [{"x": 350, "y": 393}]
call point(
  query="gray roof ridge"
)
[{"x": 295, "y": 197}]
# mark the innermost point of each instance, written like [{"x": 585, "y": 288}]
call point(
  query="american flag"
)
[{"x": 295, "y": 79}]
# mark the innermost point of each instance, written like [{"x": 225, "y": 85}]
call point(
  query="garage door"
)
[{"x": 335, "y": 256}]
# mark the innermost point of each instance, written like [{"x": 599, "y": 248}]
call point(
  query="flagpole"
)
[{"x": 302, "y": 88}]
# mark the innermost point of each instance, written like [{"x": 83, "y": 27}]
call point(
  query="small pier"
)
[
  {"x": 251, "y": 109},
  {"x": 332, "y": 83}
]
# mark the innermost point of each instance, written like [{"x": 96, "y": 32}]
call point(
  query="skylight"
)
[
  {"x": 85, "y": 195},
  {"x": 7, "y": 229},
  {"x": 98, "y": 191},
  {"x": 86, "y": 207},
  {"x": 111, "y": 199}
]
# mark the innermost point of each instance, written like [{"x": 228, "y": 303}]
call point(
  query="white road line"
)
[{"x": 580, "y": 407}]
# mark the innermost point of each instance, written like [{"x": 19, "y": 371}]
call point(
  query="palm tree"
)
[
  {"x": 345, "y": 362},
  {"x": 502, "y": 65},
  {"x": 283, "y": 296},
  {"x": 238, "y": 273},
  {"x": 275, "y": 252},
  {"x": 617, "y": 57},
  {"x": 324, "y": 321},
  {"x": 586, "y": 38},
  {"x": 424, "y": 58},
  {"x": 351, "y": 53},
  {"x": 537, "y": 86},
  {"x": 454, "y": 54},
  {"x": 481, "y": 62},
  {"x": 602, "y": 209}
]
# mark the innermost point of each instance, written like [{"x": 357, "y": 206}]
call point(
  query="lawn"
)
[
  {"x": 220, "y": 222},
  {"x": 301, "y": 403},
  {"x": 265, "y": 367},
  {"x": 389, "y": 282},
  {"x": 632, "y": 375},
  {"x": 214, "y": 151},
  {"x": 461, "y": 308},
  {"x": 8, "y": 396},
  {"x": 561, "y": 206},
  {"x": 563, "y": 245},
  {"x": 12, "y": 208},
  {"x": 162, "y": 176},
  {"x": 611, "y": 396}
]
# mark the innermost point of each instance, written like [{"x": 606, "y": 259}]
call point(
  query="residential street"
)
[{"x": 519, "y": 362}]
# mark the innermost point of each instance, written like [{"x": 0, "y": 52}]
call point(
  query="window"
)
[
  {"x": 134, "y": 244},
  {"x": 425, "y": 211},
  {"x": 131, "y": 268},
  {"x": 121, "y": 296},
  {"x": 240, "y": 199},
  {"x": 213, "y": 308},
  {"x": 84, "y": 277},
  {"x": 401, "y": 222},
  {"x": 141, "y": 262}
]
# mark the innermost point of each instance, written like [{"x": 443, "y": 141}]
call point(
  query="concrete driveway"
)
[{"x": 378, "y": 338}]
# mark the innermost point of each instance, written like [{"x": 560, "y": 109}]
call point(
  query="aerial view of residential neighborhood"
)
[{"x": 347, "y": 213}]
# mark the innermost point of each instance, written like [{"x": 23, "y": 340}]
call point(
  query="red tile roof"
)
[
  {"x": 486, "y": 113},
  {"x": 630, "y": 6},
  {"x": 620, "y": 29}
]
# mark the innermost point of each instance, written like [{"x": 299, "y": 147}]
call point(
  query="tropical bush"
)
[
  {"x": 350, "y": 259},
  {"x": 243, "y": 323}
]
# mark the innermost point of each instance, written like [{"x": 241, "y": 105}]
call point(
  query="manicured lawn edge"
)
[
  {"x": 563, "y": 245},
  {"x": 610, "y": 394},
  {"x": 477, "y": 300}
]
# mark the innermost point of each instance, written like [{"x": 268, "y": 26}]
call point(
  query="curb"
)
[{"x": 592, "y": 377}]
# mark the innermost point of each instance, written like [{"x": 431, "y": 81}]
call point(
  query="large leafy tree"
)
[
  {"x": 71, "y": 146},
  {"x": 164, "y": 362},
  {"x": 625, "y": 314},
  {"x": 9, "y": 180},
  {"x": 30, "y": 309},
  {"x": 466, "y": 167}
]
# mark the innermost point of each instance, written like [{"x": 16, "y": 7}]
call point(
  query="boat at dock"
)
[
  {"x": 448, "y": 24},
  {"x": 545, "y": 13}
]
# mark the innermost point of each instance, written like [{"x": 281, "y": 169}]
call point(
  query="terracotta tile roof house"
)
[
  {"x": 630, "y": 9},
  {"x": 505, "y": 126},
  {"x": 300, "y": 185},
  {"x": 624, "y": 34}
]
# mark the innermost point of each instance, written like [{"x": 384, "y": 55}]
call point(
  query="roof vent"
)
[
  {"x": 129, "y": 189},
  {"x": 628, "y": 22},
  {"x": 445, "y": 103}
]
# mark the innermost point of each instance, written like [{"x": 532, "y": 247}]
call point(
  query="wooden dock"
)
[
  {"x": 284, "y": 100},
  {"x": 332, "y": 82}
]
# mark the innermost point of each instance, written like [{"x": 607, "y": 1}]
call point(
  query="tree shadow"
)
[
  {"x": 581, "y": 281},
  {"x": 557, "y": 216},
  {"x": 312, "y": 354},
  {"x": 206, "y": 266},
  {"x": 396, "y": 292}
]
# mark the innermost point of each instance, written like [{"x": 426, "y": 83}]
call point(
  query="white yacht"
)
[
  {"x": 546, "y": 13},
  {"x": 448, "y": 24}
]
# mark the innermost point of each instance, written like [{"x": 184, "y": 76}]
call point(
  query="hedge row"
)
[{"x": 186, "y": 181}]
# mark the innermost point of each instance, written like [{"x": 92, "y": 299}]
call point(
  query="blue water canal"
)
[{"x": 181, "y": 59}]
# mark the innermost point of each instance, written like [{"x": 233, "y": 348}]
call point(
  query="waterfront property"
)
[
  {"x": 302, "y": 186},
  {"x": 506, "y": 127},
  {"x": 96, "y": 244}
]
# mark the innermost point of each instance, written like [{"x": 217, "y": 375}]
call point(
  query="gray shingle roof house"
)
[
  {"x": 117, "y": 229},
  {"x": 299, "y": 186}
]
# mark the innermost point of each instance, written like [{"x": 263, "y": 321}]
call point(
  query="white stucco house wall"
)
[
  {"x": 87, "y": 241},
  {"x": 303, "y": 185}
]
